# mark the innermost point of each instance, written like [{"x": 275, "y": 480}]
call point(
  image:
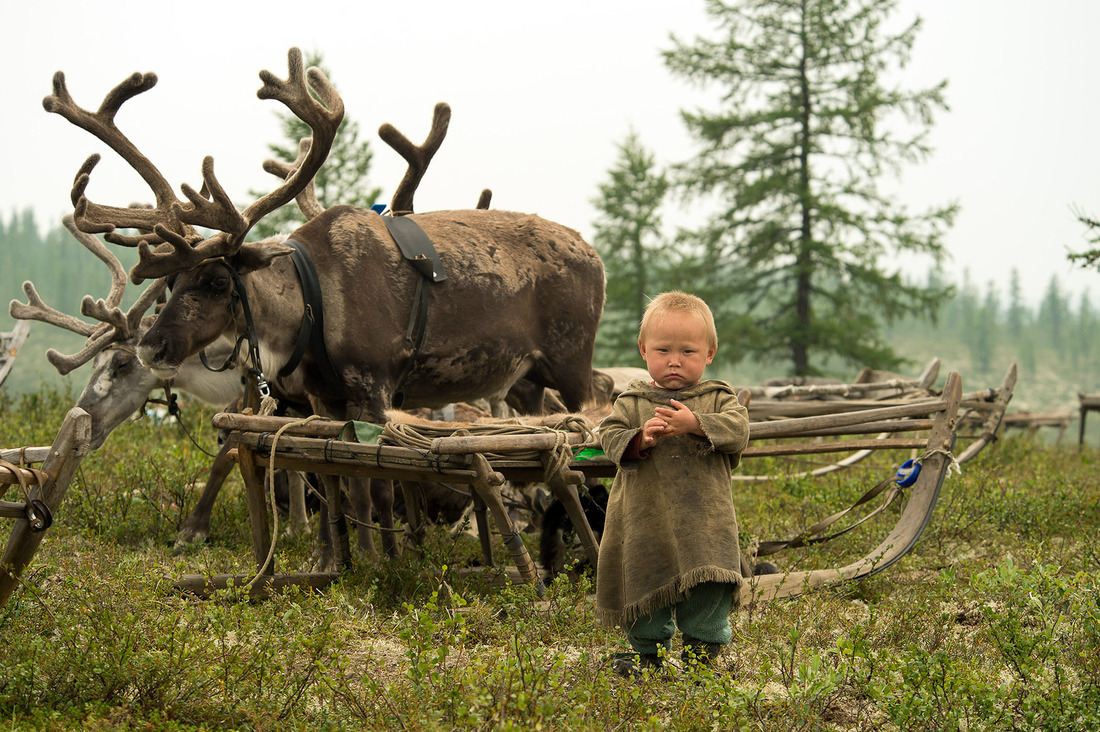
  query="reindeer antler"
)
[
  {"x": 170, "y": 243},
  {"x": 417, "y": 157},
  {"x": 307, "y": 199},
  {"x": 114, "y": 325},
  {"x": 94, "y": 218},
  {"x": 323, "y": 117}
]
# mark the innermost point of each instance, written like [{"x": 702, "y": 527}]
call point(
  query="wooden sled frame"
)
[
  {"x": 49, "y": 482},
  {"x": 983, "y": 413},
  {"x": 936, "y": 458},
  {"x": 926, "y": 426},
  {"x": 10, "y": 343},
  {"x": 314, "y": 446}
]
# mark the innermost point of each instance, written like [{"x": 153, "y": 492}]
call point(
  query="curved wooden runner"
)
[
  {"x": 10, "y": 343},
  {"x": 937, "y": 459},
  {"x": 992, "y": 413}
]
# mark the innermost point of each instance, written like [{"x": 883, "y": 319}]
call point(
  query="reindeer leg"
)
[
  {"x": 382, "y": 499},
  {"x": 324, "y": 558},
  {"x": 336, "y": 525},
  {"x": 360, "y": 494},
  {"x": 299, "y": 519},
  {"x": 414, "y": 519},
  {"x": 196, "y": 527}
]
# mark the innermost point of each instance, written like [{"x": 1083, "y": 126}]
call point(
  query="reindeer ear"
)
[{"x": 256, "y": 255}]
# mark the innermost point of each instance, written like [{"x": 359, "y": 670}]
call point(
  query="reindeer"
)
[
  {"x": 119, "y": 385},
  {"x": 522, "y": 298}
]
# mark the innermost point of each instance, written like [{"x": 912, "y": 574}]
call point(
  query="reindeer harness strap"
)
[
  {"x": 312, "y": 333},
  {"x": 418, "y": 249},
  {"x": 256, "y": 369}
]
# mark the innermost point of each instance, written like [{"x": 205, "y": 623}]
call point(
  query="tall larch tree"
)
[
  {"x": 801, "y": 256},
  {"x": 629, "y": 238}
]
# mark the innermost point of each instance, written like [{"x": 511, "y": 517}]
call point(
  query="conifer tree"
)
[
  {"x": 800, "y": 258},
  {"x": 1053, "y": 314},
  {"x": 1017, "y": 310},
  {"x": 633, "y": 248}
]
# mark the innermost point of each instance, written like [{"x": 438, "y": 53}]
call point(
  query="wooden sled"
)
[
  {"x": 1031, "y": 422},
  {"x": 315, "y": 446},
  {"x": 39, "y": 493},
  {"x": 483, "y": 462},
  {"x": 1089, "y": 403},
  {"x": 934, "y": 421},
  {"x": 10, "y": 343},
  {"x": 980, "y": 423}
]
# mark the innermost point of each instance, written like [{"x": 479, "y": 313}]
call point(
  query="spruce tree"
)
[
  {"x": 1053, "y": 316},
  {"x": 800, "y": 259},
  {"x": 630, "y": 241}
]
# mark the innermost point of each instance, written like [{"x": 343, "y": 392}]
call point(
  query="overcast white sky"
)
[{"x": 541, "y": 93}]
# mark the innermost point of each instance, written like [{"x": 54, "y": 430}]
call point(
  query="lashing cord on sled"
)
[
  {"x": 420, "y": 437},
  {"x": 892, "y": 489}
]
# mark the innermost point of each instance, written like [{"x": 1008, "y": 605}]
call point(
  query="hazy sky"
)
[{"x": 541, "y": 94}]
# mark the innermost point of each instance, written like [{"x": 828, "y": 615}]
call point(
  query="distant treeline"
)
[
  {"x": 980, "y": 330},
  {"x": 60, "y": 268},
  {"x": 990, "y": 324}
]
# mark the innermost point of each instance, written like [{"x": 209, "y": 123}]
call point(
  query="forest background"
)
[{"x": 981, "y": 328}]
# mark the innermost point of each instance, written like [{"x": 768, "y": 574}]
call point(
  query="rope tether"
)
[{"x": 270, "y": 480}]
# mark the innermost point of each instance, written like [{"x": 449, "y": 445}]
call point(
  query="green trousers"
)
[{"x": 704, "y": 614}]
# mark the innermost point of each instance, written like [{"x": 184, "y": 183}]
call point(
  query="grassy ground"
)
[{"x": 992, "y": 622}]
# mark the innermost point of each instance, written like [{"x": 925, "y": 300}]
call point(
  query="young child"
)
[{"x": 669, "y": 555}]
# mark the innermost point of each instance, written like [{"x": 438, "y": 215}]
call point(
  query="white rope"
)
[
  {"x": 953, "y": 464},
  {"x": 270, "y": 480}
]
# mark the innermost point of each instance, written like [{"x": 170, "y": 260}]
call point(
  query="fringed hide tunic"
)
[{"x": 670, "y": 518}]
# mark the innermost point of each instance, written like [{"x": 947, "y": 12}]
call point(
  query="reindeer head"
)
[{"x": 169, "y": 245}]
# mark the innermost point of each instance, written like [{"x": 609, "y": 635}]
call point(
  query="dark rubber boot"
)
[
  {"x": 699, "y": 653},
  {"x": 633, "y": 665},
  {"x": 765, "y": 568}
]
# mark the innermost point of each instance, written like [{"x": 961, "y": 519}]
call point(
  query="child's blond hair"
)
[{"x": 680, "y": 302}]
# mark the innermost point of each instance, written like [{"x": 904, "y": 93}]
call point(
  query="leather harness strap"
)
[
  {"x": 312, "y": 333},
  {"x": 417, "y": 248}
]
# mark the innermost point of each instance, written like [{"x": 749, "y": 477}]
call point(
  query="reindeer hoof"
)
[
  {"x": 325, "y": 563},
  {"x": 189, "y": 542}
]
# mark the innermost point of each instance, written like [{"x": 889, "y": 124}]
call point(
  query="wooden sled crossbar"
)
[{"x": 43, "y": 474}]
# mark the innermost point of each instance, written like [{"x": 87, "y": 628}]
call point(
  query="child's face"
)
[{"x": 676, "y": 350}]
